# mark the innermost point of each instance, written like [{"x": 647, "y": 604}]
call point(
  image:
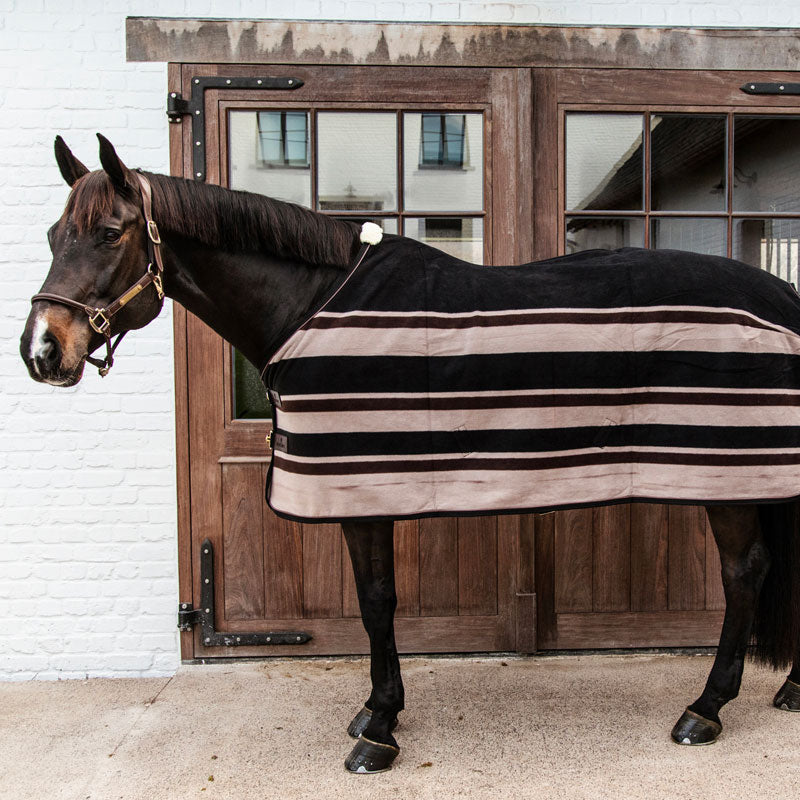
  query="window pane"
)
[
  {"x": 431, "y": 150},
  {"x": 387, "y": 224},
  {"x": 696, "y": 235},
  {"x": 590, "y": 233},
  {"x": 765, "y": 158},
  {"x": 269, "y": 130},
  {"x": 443, "y": 162},
  {"x": 296, "y": 145},
  {"x": 688, "y": 163},
  {"x": 454, "y": 134},
  {"x": 249, "y": 397},
  {"x": 461, "y": 237},
  {"x": 772, "y": 244},
  {"x": 604, "y": 161},
  {"x": 357, "y": 161},
  {"x": 257, "y": 150}
]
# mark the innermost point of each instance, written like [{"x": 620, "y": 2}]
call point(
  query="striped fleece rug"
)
[{"x": 429, "y": 386}]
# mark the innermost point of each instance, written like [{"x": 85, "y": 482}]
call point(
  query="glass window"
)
[
  {"x": 352, "y": 158},
  {"x": 605, "y": 161},
  {"x": 688, "y": 154},
  {"x": 598, "y": 233},
  {"x": 766, "y": 152},
  {"x": 696, "y": 235},
  {"x": 442, "y": 140},
  {"x": 461, "y": 237},
  {"x": 249, "y": 398},
  {"x": 722, "y": 184},
  {"x": 771, "y": 244},
  {"x": 357, "y": 154},
  {"x": 257, "y": 157},
  {"x": 443, "y": 171},
  {"x": 283, "y": 138}
]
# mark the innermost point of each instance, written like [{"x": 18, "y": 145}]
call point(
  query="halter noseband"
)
[{"x": 100, "y": 318}]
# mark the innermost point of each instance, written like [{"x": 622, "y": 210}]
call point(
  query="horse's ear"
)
[
  {"x": 120, "y": 175},
  {"x": 71, "y": 168}
]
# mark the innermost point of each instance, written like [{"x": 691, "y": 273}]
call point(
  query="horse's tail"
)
[{"x": 776, "y": 629}]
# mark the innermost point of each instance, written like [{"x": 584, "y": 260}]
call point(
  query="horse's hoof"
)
[
  {"x": 691, "y": 728},
  {"x": 361, "y": 720},
  {"x": 788, "y": 697},
  {"x": 368, "y": 757}
]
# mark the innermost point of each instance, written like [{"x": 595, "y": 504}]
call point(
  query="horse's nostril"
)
[{"x": 49, "y": 355}]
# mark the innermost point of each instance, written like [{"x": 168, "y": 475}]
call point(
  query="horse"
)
[{"x": 267, "y": 276}]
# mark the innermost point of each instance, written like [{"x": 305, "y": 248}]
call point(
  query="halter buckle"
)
[
  {"x": 104, "y": 326},
  {"x": 152, "y": 232},
  {"x": 155, "y": 275}
]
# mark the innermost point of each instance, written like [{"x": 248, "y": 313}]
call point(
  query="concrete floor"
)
[{"x": 558, "y": 727}]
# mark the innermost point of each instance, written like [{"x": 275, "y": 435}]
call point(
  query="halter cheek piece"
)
[{"x": 100, "y": 318}]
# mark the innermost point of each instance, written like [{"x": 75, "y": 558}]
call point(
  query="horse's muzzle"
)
[{"x": 43, "y": 354}]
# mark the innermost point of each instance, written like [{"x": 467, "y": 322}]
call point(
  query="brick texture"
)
[{"x": 88, "y": 563}]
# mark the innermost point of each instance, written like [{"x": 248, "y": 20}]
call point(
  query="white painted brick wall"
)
[{"x": 88, "y": 576}]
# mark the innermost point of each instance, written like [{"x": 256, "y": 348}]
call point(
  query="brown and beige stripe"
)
[{"x": 405, "y": 411}]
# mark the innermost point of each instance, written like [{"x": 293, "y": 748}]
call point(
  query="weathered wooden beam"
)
[{"x": 481, "y": 45}]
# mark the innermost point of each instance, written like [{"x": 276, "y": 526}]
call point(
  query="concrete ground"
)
[{"x": 589, "y": 726}]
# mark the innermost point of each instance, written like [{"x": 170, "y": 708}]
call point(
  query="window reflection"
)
[
  {"x": 356, "y": 159},
  {"x": 283, "y": 137},
  {"x": 605, "y": 161},
  {"x": 696, "y": 235},
  {"x": 688, "y": 162},
  {"x": 443, "y": 162},
  {"x": 269, "y": 154},
  {"x": 595, "y": 233},
  {"x": 357, "y": 153},
  {"x": 766, "y": 152},
  {"x": 249, "y": 398},
  {"x": 771, "y": 244},
  {"x": 461, "y": 237},
  {"x": 442, "y": 142}
]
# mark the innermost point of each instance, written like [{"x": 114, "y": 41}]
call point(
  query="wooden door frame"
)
[
  {"x": 517, "y": 619},
  {"x": 539, "y": 49},
  {"x": 557, "y": 91}
]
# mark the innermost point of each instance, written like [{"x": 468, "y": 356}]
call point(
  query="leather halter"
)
[{"x": 100, "y": 317}]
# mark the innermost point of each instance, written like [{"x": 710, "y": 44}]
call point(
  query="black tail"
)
[{"x": 776, "y": 629}]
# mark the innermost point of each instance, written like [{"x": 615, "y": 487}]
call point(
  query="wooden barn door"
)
[
  {"x": 660, "y": 159},
  {"x": 433, "y": 153}
]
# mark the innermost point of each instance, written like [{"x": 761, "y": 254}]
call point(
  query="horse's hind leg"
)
[
  {"x": 777, "y": 629},
  {"x": 788, "y": 696},
  {"x": 372, "y": 553},
  {"x": 745, "y": 561}
]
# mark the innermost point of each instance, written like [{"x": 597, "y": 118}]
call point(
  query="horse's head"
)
[{"x": 101, "y": 256}]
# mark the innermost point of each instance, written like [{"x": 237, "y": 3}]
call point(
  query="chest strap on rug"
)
[{"x": 371, "y": 234}]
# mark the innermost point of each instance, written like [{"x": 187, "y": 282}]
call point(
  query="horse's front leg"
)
[
  {"x": 745, "y": 561},
  {"x": 372, "y": 553}
]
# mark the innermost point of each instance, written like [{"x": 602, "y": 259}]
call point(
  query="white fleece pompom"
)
[{"x": 371, "y": 233}]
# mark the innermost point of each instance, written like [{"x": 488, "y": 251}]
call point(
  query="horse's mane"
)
[{"x": 231, "y": 220}]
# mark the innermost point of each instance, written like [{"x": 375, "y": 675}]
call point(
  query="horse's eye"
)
[{"x": 111, "y": 235}]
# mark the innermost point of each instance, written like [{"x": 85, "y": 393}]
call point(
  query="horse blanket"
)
[{"x": 427, "y": 386}]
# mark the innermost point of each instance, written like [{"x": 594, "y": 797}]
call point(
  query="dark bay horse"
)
[{"x": 255, "y": 270}]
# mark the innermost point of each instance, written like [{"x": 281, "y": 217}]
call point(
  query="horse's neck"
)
[{"x": 251, "y": 299}]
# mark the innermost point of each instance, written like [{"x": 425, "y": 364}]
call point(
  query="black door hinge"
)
[
  {"x": 753, "y": 87},
  {"x": 178, "y": 107},
  {"x": 188, "y": 616}
]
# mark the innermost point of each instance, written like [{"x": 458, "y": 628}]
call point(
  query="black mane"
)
[
  {"x": 221, "y": 218},
  {"x": 242, "y": 221}
]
